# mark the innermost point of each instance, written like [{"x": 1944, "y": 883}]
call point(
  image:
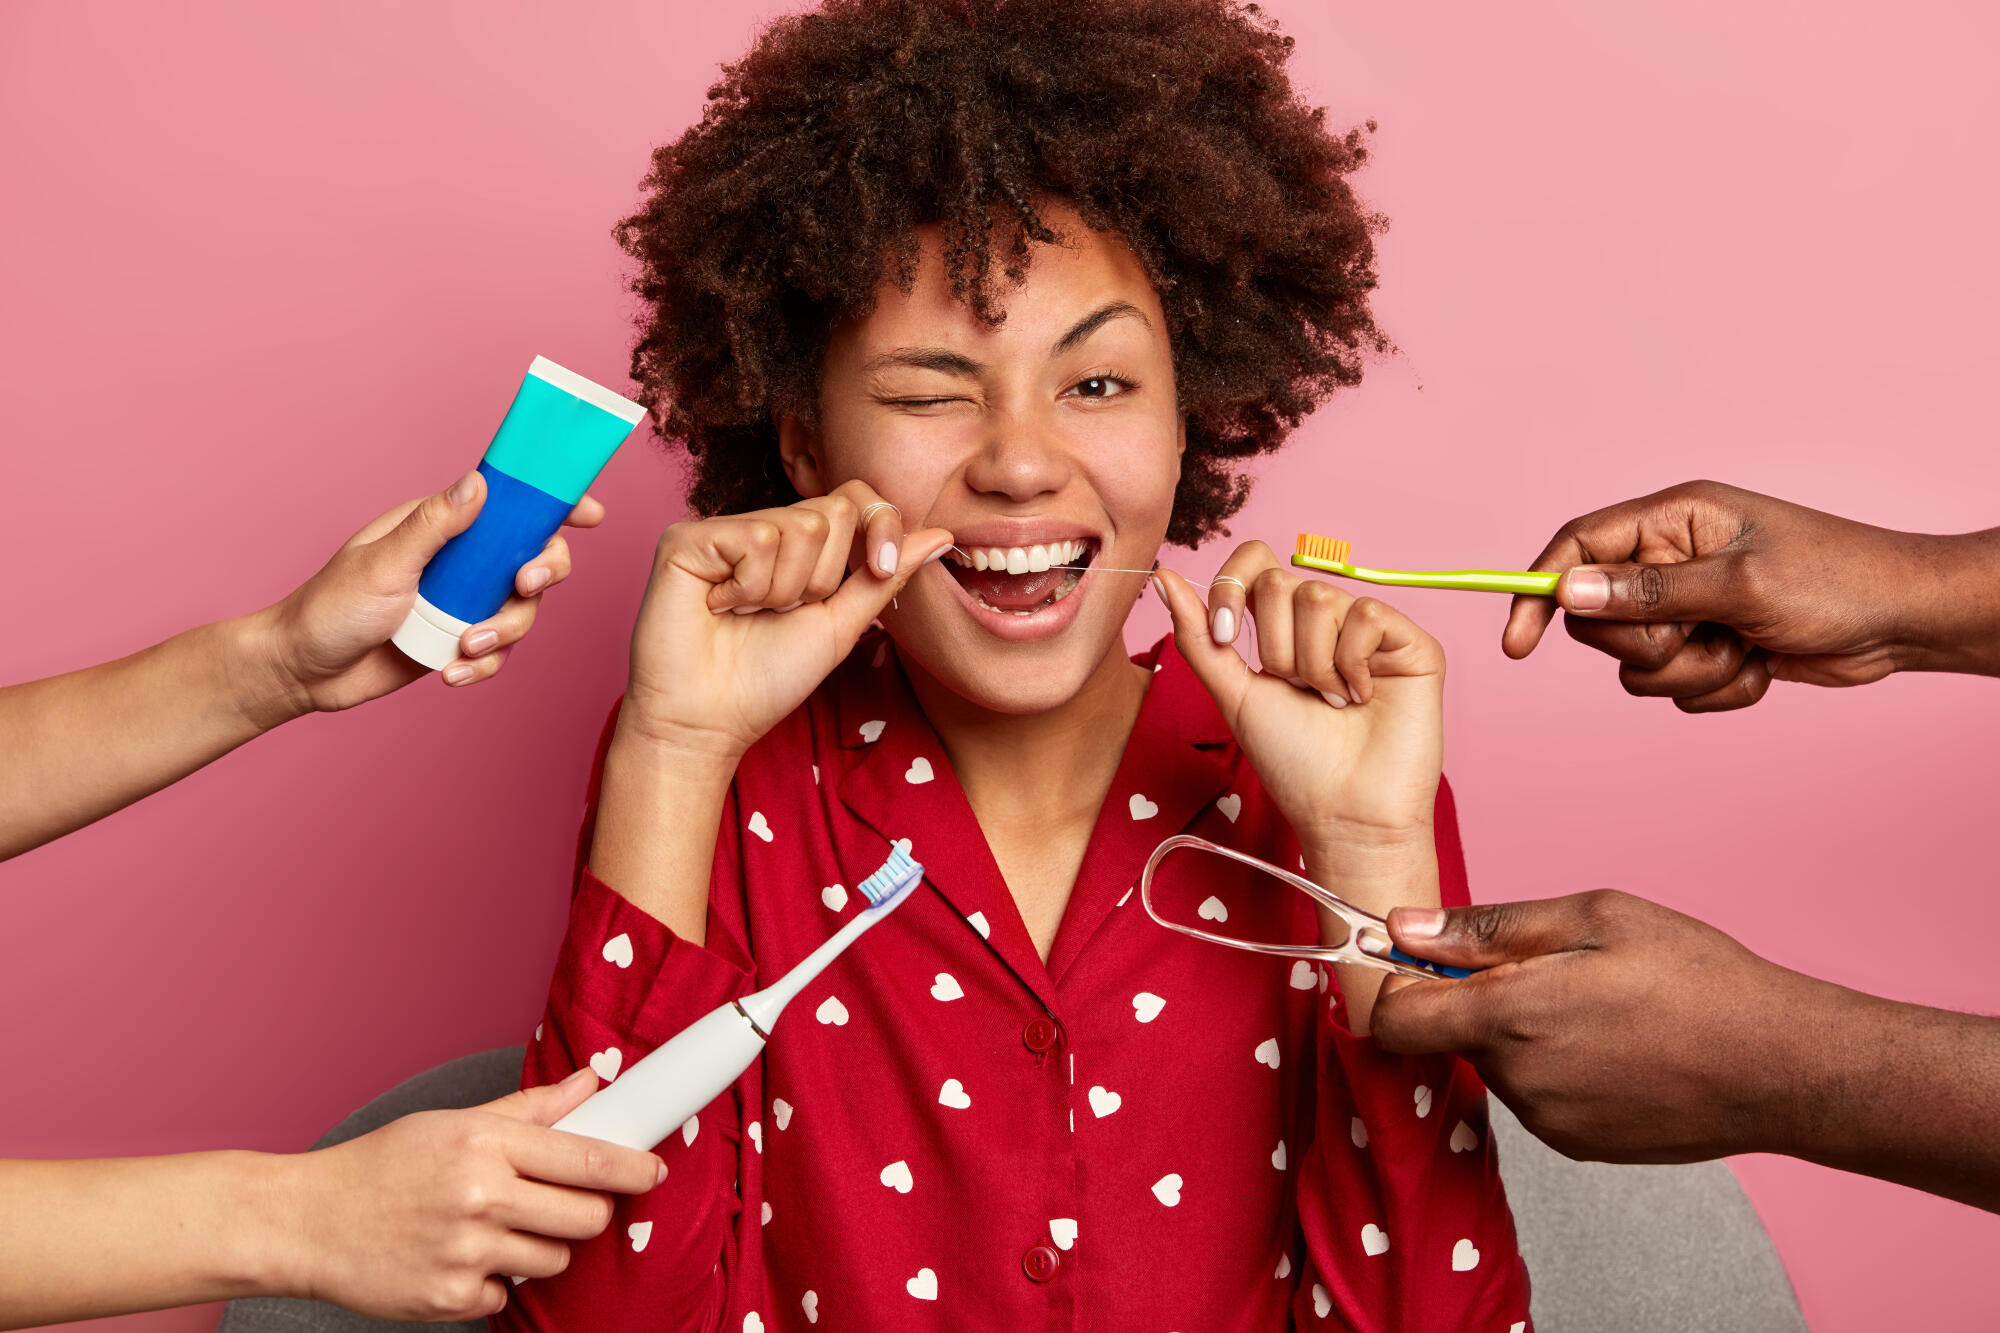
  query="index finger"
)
[
  {"x": 589, "y": 512},
  {"x": 879, "y": 529},
  {"x": 1434, "y": 1017},
  {"x": 1586, "y": 540},
  {"x": 562, "y": 1158}
]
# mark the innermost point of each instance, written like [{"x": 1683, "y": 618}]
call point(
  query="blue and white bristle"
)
[{"x": 896, "y": 872}]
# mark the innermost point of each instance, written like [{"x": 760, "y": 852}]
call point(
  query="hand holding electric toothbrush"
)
[{"x": 1343, "y": 718}]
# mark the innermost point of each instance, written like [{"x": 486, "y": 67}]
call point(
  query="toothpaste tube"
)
[{"x": 557, "y": 436}]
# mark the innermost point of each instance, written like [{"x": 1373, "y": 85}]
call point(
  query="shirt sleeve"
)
[
  {"x": 624, "y": 983},
  {"x": 1404, "y": 1216}
]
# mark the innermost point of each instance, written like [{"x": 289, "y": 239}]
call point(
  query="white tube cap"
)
[{"x": 429, "y": 635}]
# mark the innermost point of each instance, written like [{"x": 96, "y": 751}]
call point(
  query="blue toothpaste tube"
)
[{"x": 557, "y": 436}]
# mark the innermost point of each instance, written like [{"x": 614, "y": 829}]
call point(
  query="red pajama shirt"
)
[{"x": 1149, "y": 1132}]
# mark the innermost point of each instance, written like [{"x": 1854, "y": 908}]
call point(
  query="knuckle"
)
[
  {"x": 597, "y": 1213},
  {"x": 1269, "y": 581},
  {"x": 1649, "y": 586},
  {"x": 762, "y": 536},
  {"x": 597, "y": 1163},
  {"x": 813, "y": 523},
  {"x": 1486, "y": 923}
]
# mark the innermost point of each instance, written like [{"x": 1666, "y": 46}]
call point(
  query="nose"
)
[{"x": 1020, "y": 458}]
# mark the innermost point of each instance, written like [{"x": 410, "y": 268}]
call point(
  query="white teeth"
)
[
  {"x": 978, "y": 558},
  {"x": 1021, "y": 559},
  {"x": 1017, "y": 560},
  {"x": 1038, "y": 559}
]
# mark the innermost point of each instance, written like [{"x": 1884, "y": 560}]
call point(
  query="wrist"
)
[
  {"x": 1951, "y": 608},
  {"x": 265, "y": 690},
  {"x": 262, "y": 1254},
  {"x": 645, "y": 740},
  {"x": 1377, "y": 867}
]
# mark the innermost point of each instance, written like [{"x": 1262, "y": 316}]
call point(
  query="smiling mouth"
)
[{"x": 1021, "y": 580}]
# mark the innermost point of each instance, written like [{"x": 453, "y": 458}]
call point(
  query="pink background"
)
[{"x": 267, "y": 269}]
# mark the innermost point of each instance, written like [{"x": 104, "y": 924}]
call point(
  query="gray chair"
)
[{"x": 1611, "y": 1249}]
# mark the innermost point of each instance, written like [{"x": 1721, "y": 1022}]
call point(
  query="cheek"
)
[
  {"x": 1135, "y": 468},
  {"x": 906, "y": 461}
]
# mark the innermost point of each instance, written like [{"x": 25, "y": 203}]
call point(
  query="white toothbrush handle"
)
[{"x": 655, "y": 1097}]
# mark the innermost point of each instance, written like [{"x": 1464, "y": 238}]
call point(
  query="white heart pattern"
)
[
  {"x": 760, "y": 825},
  {"x": 767, "y": 1212},
  {"x": 1062, "y": 1231},
  {"x": 978, "y": 922},
  {"x": 953, "y": 1094},
  {"x": 1278, "y": 1157},
  {"x": 1464, "y": 1138},
  {"x": 753, "y": 1323},
  {"x": 1518, "y": 1326},
  {"x": 1423, "y": 1100},
  {"x": 897, "y": 1177},
  {"x": 1284, "y": 1267},
  {"x": 755, "y": 1130},
  {"x": 1126, "y": 898},
  {"x": 1103, "y": 1101},
  {"x": 871, "y": 731},
  {"x": 902, "y": 845},
  {"x": 1304, "y": 975},
  {"x": 1211, "y": 909},
  {"x": 689, "y": 1128},
  {"x": 1167, "y": 1189},
  {"x": 781, "y": 1111},
  {"x": 538, "y": 1032},
  {"x": 919, "y": 772},
  {"x": 810, "y": 1304},
  {"x": 1374, "y": 1240},
  {"x": 881, "y": 653},
  {"x": 618, "y": 949},
  {"x": 639, "y": 1233},
  {"x": 834, "y": 896},
  {"x": 1322, "y": 1303},
  {"x": 1141, "y": 807},
  {"x": 1267, "y": 1052},
  {"x": 607, "y": 1063},
  {"x": 946, "y": 987},
  {"x": 1358, "y": 1132},
  {"x": 1464, "y": 1258},
  {"x": 831, "y": 1010},
  {"x": 1230, "y": 806},
  {"x": 1146, "y": 1006},
  {"x": 923, "y": 1286}
]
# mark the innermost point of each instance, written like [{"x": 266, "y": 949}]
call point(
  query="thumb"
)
[
  {"x": 1488, "y": 934},
  {"x": 1219, "y": 667},
  {"x": 864, "y": 595},
  {"x": 549, "y": 1103},
  {"x": 435, "y": 521},
  {"x": 1699, "y": 589}
]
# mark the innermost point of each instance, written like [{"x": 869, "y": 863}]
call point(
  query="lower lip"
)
[{"x": 1050, "y": 620}]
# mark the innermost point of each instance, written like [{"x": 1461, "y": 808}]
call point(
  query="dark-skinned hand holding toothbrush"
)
[{"x": 1620, "y": 1030}]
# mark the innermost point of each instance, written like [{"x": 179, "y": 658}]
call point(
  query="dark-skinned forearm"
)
[
  {"x": 1953, "y": 610},
  {"x": 1904, "y": 1093}
]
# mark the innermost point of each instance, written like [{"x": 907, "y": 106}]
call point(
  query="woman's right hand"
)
[{"x": 746, "y": 614}]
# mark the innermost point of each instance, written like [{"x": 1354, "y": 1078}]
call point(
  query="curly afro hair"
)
[{"x": 1170, "y": 123}]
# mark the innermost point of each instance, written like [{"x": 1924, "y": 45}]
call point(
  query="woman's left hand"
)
[{"x": 1344, "y": 717}]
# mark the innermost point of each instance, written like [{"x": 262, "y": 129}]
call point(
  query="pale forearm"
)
[
  {"x": 657, "y": 817},
  {"x": 82, "y": 745},
  {"x": 87, "y": 1239},
  {"x": 1374, "y": 874}
]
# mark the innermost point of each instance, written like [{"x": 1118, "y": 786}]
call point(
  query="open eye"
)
[{"x": 1100, "y": 387}]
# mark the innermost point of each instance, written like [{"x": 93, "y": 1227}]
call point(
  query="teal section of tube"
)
[{"x": 554, "y": 441}]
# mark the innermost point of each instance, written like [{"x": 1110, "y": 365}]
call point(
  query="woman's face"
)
[{"x": 1053, "y": 439}]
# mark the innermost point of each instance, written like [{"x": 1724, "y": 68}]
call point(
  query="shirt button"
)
[
  {"x": 1040, "y": 1263},
  {"x": 1041, "y": 1034}
]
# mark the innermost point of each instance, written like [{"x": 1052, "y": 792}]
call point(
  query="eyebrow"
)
[{"x": 947, "y": 362}]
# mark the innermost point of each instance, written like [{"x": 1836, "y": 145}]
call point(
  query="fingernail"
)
[
  {"x": 663, "y": 1174},
  {"x": 1222, "y": 625},
  {"x": 458, "y": 674},
  {"x": 885, "y": 559},
  {"x": 535, "y": 579},
  {"x": 1418, "y": 923},
  {"x": 479, "y": 643},
  {"x": 936, "y": 555},
  {"x": 462, "y": 489},
  {"x": 1589, "y": 589},
  {"x": 1336, "y": 700}
]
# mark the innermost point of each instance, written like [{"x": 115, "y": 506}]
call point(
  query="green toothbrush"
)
[{"x": 1330, "y": 557}]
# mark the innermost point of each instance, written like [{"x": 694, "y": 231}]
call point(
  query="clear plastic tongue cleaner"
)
[{"x": 1367, "y": 943}]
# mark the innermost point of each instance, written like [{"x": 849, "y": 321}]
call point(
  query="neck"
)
[{"x": 1081, "y": 739}]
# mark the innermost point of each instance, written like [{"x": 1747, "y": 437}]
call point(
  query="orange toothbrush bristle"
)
[{"x": 1314, "y": 547}]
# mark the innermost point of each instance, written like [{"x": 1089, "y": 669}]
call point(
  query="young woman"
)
[{"x": 961, "y": 308}]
